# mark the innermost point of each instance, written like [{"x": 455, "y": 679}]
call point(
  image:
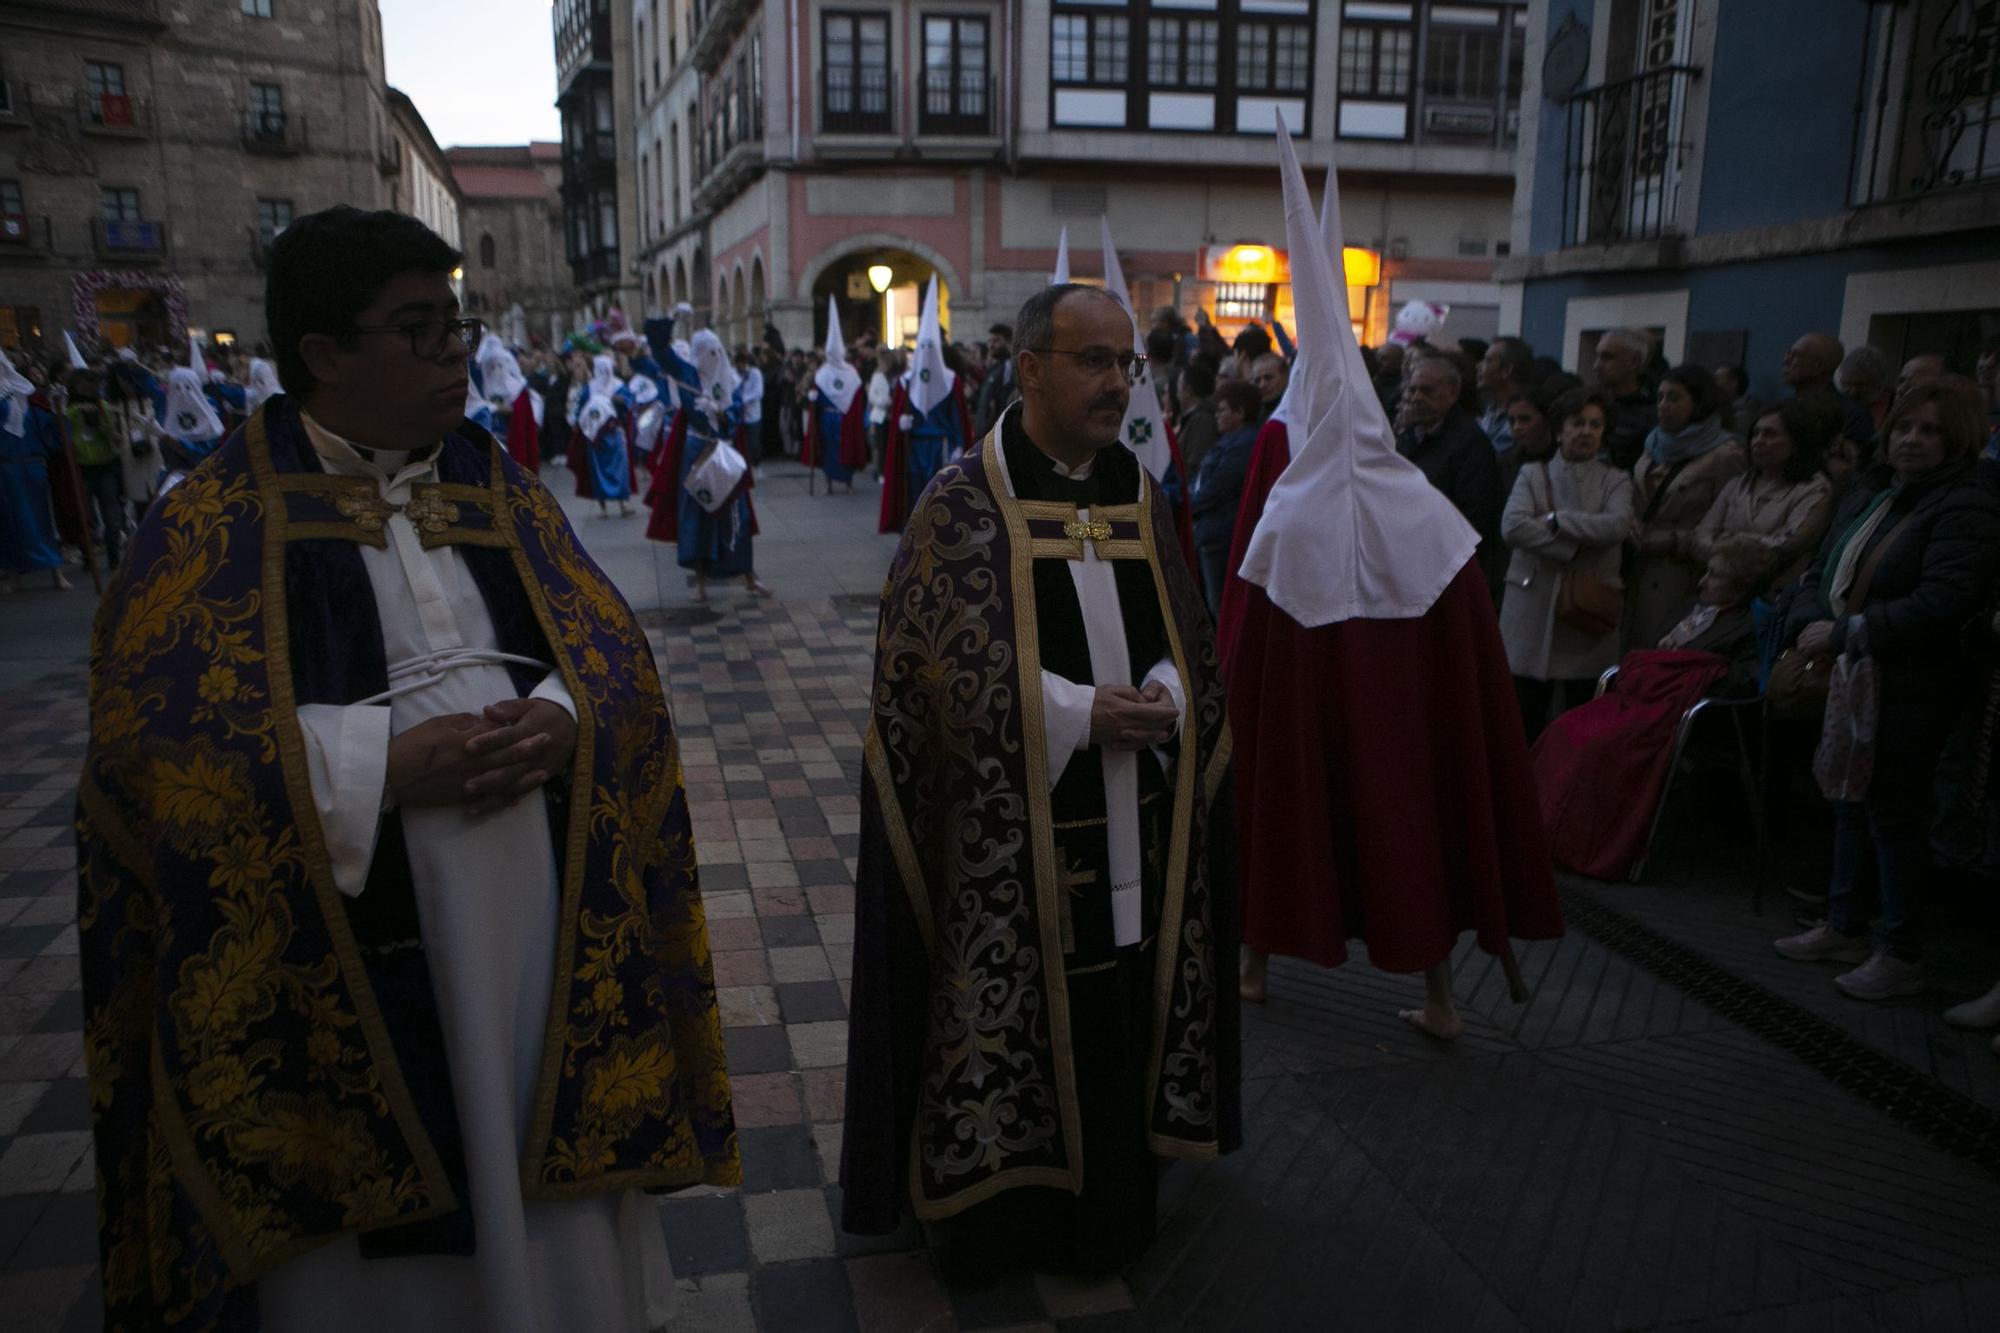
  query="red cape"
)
[
  {"x": 524, "y": 437},
  {"x": 1599, "y": 769},
  {"x": 1383, "y": 790},
  {"x": 579, "y": 461},
  {"x": 896, "y": 497},
  {"x": 853, "y": 435},
  {"x": 663, "y": 497}
]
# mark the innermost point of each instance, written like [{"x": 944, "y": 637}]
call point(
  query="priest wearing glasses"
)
[
  {"x": 1044, "y": 994},
  {"x": 397, "y": 985}
]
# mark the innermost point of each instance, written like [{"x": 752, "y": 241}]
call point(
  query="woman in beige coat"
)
[
  {"x": 1689, "y": 458},
  {"x": 1570, "y": 513},
  {"x": 1780, "y": 507}
]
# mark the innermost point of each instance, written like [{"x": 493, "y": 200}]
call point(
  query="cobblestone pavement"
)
[{"x": 1612, "y": 1154}]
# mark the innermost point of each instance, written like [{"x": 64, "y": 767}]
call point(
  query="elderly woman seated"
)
[
  {"x": 1601, "y": 769},
  {"x": 1784, "y": 501}
]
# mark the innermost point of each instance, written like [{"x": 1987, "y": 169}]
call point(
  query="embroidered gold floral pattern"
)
[
  {"x": 954, "y": 777},
  {"x": 364, "y": 508},
  {"x": 430, "y": 512},
  {"x": 634, "y": 1096},
  {"x": 1095, "y": 531},
  {"x": 946, "y": 674},
  {"x": 182, "y": 1062}
]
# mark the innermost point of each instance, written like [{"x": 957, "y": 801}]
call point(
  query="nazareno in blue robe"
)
[
  {"x": 27, "y": 524},
  {"x": 611, "y": 464}
]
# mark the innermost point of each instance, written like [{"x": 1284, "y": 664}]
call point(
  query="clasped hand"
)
[
  {"x": 484, "y": 762},
  {"x": 1124, "y": 718}
]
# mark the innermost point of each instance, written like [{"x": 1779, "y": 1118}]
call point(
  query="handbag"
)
[
  {"x": 1844, "y": 763},
  {"x": 1584, "y": 602},
  {"x": 1799, "y": 686},
  {"x": 713, "y": 481}
]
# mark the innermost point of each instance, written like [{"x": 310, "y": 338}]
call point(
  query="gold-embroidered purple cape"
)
[
  {"x": 961, "y": 1082},
  {"x": 247, "y": 1101}
]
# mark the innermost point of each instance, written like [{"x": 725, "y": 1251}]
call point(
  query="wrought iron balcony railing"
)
[
  {"x": 274, "y": 132},
  {"x": 129, "y": 237},
  {"x": 1624, "y": 158},
  {"x": 1932, "y": 120},
  {"x": 112, "y": 113},
  {"x": 857, "y": 101},
  {"x": 961, "y": 106},
  {"x": 25, "y": 234}
]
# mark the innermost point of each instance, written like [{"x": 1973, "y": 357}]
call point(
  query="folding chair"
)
[{"x": 1737, "y": 710}]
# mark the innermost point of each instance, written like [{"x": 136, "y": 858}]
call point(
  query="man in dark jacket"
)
[
  {"x": 997, "y": 389},
  {"x": 1620, "y": 364},
  {"x": 1442, "y": 439}
]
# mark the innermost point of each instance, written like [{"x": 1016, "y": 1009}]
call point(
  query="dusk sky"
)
[{"x": 480, "y": 71}]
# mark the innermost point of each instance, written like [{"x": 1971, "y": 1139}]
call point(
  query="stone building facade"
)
[
  {"x": 958, "y": 138},
  {"x": 423, "y": 184},
  {"x": 596, "y": 96},
  {"x": 517, "y": 275},
  {"x": 149, "y": 151}
]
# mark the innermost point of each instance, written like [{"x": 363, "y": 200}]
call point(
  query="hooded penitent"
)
[
  {"x": 263, "y": 382},
  {"x": 500, "y": 371},
  {"x": 836, "y": 381},
  {"x": 188, "y": 416},
  {"x": 1061, "y": 275},
  {"x": 1351, "y": 529},
  {"x": 1145, "y": 429},
  {"x": 14, "y": 391},
  {"x": 711, "y": 363},
  {"x": 930, "y": 380}
]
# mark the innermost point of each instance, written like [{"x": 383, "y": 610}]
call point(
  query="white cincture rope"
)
[{"x": 416, "y": 673}]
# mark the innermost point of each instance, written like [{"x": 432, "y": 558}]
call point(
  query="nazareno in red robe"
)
[
  {"x": 1383, "y": 789},
  {"x": 896, "y": 496},
  {"x": 524, "y": 437}
]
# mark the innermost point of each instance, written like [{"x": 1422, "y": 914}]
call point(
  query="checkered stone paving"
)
[{"x": 1612, "y": 1154}]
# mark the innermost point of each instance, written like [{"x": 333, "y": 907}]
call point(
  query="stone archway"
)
[
  {"x": 891, "y": 312},
  {"x": 859, "y": 243}
]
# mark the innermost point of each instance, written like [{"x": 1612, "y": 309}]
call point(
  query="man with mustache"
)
[
  {"x": 397, "y": 989},
  {"x": 1044, "y": 967}
]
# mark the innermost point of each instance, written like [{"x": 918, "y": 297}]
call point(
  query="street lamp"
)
[{"x": 878, "y": 277}]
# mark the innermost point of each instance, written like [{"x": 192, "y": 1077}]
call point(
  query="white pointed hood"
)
[
  {"x": 76, "y": 361},
  {"x": 711, "y": 365},
  {"x": 501, "y": 372},
  {"x": 263, "y": 383},
  {"x": 1352, "y": 530},
  {"x": 1061, "y": 275},
  {"x": 603, "y": 379},
  {"x": 1330, "y": 242},
  {"x": 188, "y": 414},
  {"x": 929, "y": 380},
  {"x": 836, "y": 381},
  {"x": 1145, "y": 428},
  {"x": 196, "y": 361},
  {"x": 14, "y": 390}
]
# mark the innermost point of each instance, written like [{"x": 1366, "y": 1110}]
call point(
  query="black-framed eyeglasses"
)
[
  {"x": 429, "y": 338},
  {"x": 1098, "y": 360}
]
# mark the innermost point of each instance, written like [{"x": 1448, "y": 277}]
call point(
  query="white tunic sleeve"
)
[
  {"x": 347, "y": 758},
  {"x": 1065, "y": 720},
  {"x": 1165, "y": 673},
  {"x": 557, "y": 693}
]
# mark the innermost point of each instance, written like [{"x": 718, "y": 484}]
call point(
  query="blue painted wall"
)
[
  {"x": 1774, "y": 300},
  {"x": 1781, "y": 93},
  {"x": 1551, "y": 135}
]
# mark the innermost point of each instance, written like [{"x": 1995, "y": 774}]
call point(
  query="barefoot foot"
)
[
  {"x": 1251, "y": 976},
  {"x": 1442, "y": 1025}
]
